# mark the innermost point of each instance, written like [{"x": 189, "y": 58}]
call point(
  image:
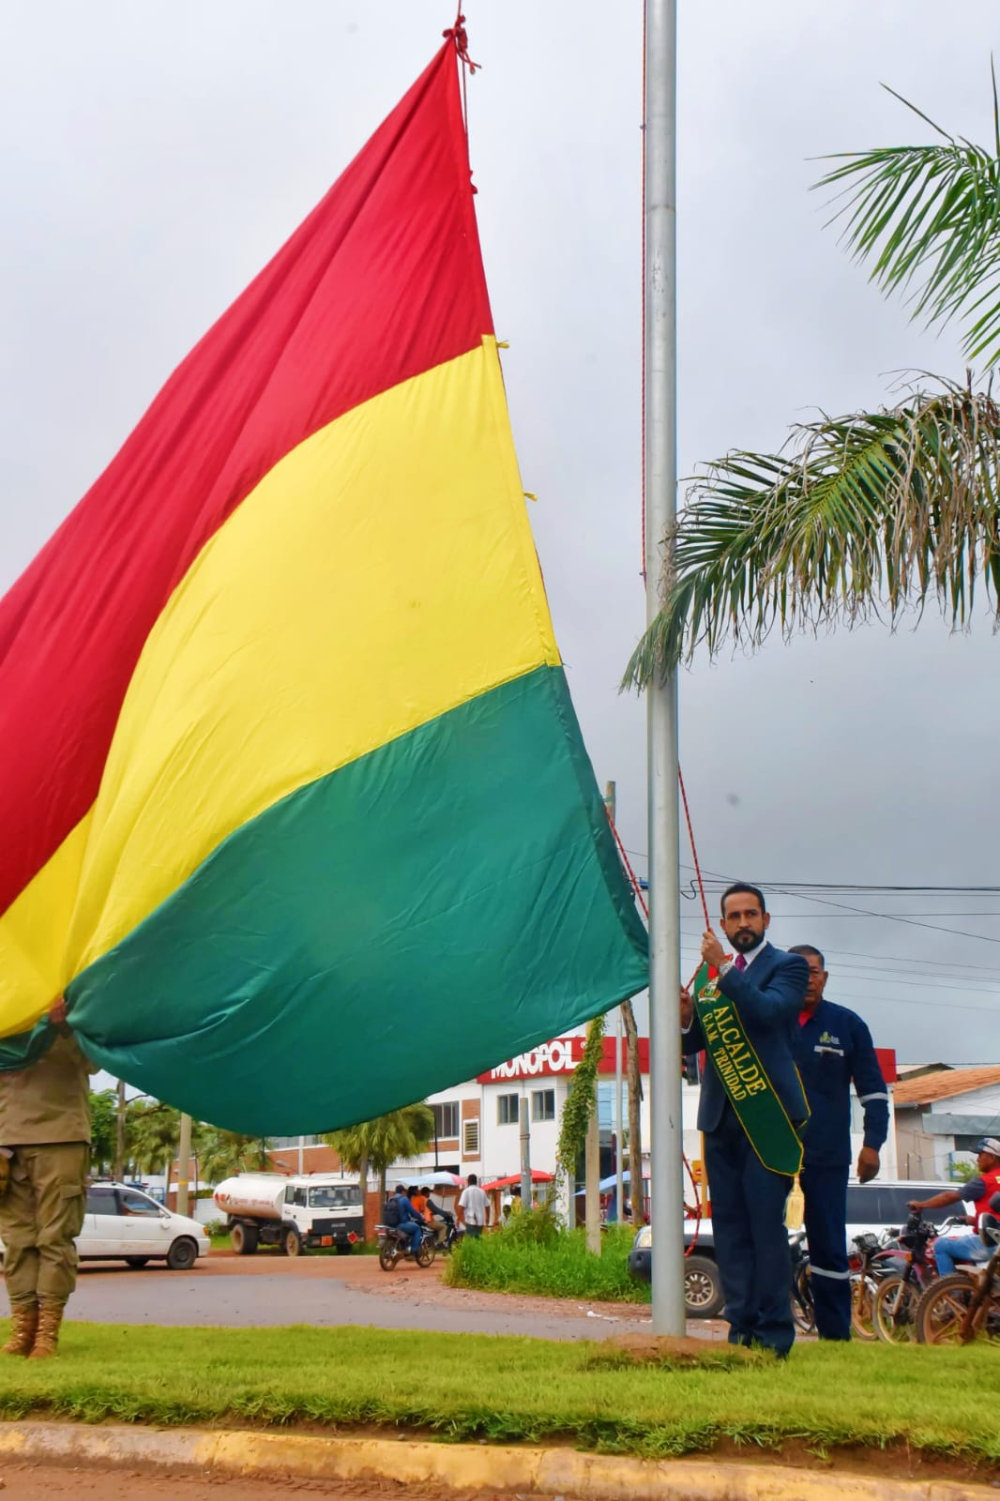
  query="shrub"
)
[
  {"x": 540, "y": 1227},
  {"x": 561, "y": 1267}
]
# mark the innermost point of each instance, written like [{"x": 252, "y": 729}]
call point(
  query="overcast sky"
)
[{"x": 154, "y": 157}]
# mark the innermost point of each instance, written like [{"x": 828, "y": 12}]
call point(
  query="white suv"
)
[{"x": 124, "y": 1224}]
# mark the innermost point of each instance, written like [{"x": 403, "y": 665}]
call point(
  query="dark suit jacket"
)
[{"x": 768, "y": 996}]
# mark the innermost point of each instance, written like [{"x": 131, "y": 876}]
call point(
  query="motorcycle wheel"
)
[
  {"x": 942, "y": 1309},
  {"x": 894, "y": 1310},
  {"x": 863, "y": 1290},
  {"x": 388, "y": 1255},
  {"x": 426, "y": 1251}
]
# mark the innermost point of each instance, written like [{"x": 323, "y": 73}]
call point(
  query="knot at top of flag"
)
[{"x": 460, "y": 37}]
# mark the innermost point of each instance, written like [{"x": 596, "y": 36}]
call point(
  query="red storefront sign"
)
[
  {"x": 560, "y": 1056},
  {"x": 887, "y": 1063}
]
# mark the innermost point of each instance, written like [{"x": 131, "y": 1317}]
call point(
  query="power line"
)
[
  {"x": 987, "y": 969},
  {"x": 861, "y": 911},
  {"x": 889, "y": 1000},
  {"x": 856, "y": 888},
  {"x": 833, "y": 916}
]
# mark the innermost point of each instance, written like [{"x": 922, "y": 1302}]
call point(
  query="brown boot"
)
[
  {"x": 23, "y": 1325},
  {"x": 47, "y": 1335}
]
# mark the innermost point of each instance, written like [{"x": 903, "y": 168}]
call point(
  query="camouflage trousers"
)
[{"x": 40, "y": 1216}]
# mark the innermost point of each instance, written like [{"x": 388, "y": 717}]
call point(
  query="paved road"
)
[{"x": 239, "y": 1292}]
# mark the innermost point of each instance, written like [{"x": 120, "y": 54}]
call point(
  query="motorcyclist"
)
[
  {"x": 948, "y": 1248},
  {"x": 400, "y": 1215},
  {"x": 438, "y": 1218}
]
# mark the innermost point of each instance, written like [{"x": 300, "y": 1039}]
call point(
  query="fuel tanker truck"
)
[{"x": 273, "y": 1209}]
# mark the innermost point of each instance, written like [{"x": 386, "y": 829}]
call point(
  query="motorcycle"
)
[
  {"x": 453, "y": 1233},
  {"x": 911, "y": 1272},
  {"x": 803, "y": 1308},
  {"x": 394, "y": 1247},
  {"x": 966, "y": 1305},
  {"x": 874, "y": 1258}
]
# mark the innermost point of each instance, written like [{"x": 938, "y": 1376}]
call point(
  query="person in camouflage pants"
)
[{"x": 45, "y": 1152}]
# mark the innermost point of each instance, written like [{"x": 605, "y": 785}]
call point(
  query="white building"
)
[
  {"x": 941, "y": 1115},
  {"x": 478, "y": 1122}
]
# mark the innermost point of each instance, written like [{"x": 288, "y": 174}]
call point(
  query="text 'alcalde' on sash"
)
[{"x": 741, "y": 1073}]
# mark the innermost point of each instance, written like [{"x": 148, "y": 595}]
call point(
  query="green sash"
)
[{"x": 742, "y": 1076}]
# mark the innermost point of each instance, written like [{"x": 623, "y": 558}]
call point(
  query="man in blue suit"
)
[{"x": 762, "y": 989}]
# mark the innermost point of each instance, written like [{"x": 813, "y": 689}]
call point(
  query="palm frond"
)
[
  {"x": 927, "y": 219},
  {"x": 869, "y": 514}
]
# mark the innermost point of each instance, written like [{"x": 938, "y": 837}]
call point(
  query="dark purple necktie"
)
[{"x": 741, "y": 961}]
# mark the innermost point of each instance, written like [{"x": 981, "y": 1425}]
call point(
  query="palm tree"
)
[
  {"x": 222, "y": 1154},
  {"x": 102, "y": 1130},
  {"x": 153, "y": 1131},
  {"x": 867, "y": 514},
  {"x": 373, "y": 1146}
]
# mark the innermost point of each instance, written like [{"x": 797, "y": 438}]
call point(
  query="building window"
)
[
  {"x": 508, "y": 1109},
  {"x": 543, "y": 1105},
  {"x": 470, "y": 1138},
  {"x": 446, "y": 1118},
  {"x": 606, "y": 1106}
]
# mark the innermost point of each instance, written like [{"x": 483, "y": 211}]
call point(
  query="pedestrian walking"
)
[{"x": 473, "y": 1208}]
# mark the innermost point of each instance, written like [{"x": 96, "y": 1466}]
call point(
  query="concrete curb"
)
[{"x": 487, "y": 1467}]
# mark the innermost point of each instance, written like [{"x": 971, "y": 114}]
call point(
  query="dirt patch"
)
[
  {"x": 61, "y": 1483},
  {"x": 896, "y": 1461},
  {"x": 672, "y": 1351}
]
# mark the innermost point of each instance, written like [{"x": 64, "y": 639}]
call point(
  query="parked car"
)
[
  {"x": 870, "y": 1207},
  {"x": 124, "y": 1224}
]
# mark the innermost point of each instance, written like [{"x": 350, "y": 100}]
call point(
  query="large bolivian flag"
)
[{"x": 293, "y": 799}]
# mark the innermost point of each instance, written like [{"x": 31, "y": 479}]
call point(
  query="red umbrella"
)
[{"x": 537, "y": 1176}]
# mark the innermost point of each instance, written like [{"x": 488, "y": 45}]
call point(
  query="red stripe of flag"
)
[{"x": 320, "y": 330}]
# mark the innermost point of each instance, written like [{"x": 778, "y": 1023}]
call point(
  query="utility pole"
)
[
  {"x": 660, "y": 319},
  {"x": 611, "y": 805},
  {"x": 592, "y": 1158},
  {"x": 526, "y": 1195},
  {"x": 183, "y": 1164},
  {"x": 120, "y": 1134},
  {"x": 619, "y": 1131}
]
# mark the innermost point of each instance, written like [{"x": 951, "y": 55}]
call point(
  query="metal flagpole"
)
[{"x": 660, "y": 333}]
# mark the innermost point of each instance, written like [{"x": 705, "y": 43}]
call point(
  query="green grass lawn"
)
[{"x": 510, "y": 1389}]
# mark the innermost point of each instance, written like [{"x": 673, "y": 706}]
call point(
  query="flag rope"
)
[
  {"x": 460, "y": 37},
  {"x": 688, "y": 1250}
]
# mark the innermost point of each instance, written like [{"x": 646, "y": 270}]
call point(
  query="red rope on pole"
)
[
  {"x": 460, "y": 37},
  {"x": 694, "y": 849},
  {"x": 625, "y": 861},
  {"x": 642, "y": 902}
]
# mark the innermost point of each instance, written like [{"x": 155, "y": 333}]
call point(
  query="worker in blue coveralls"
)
[{"x": 834, "y": 1048}]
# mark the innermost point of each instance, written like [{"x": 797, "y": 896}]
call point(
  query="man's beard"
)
[{"x": 745, "y": 940}]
